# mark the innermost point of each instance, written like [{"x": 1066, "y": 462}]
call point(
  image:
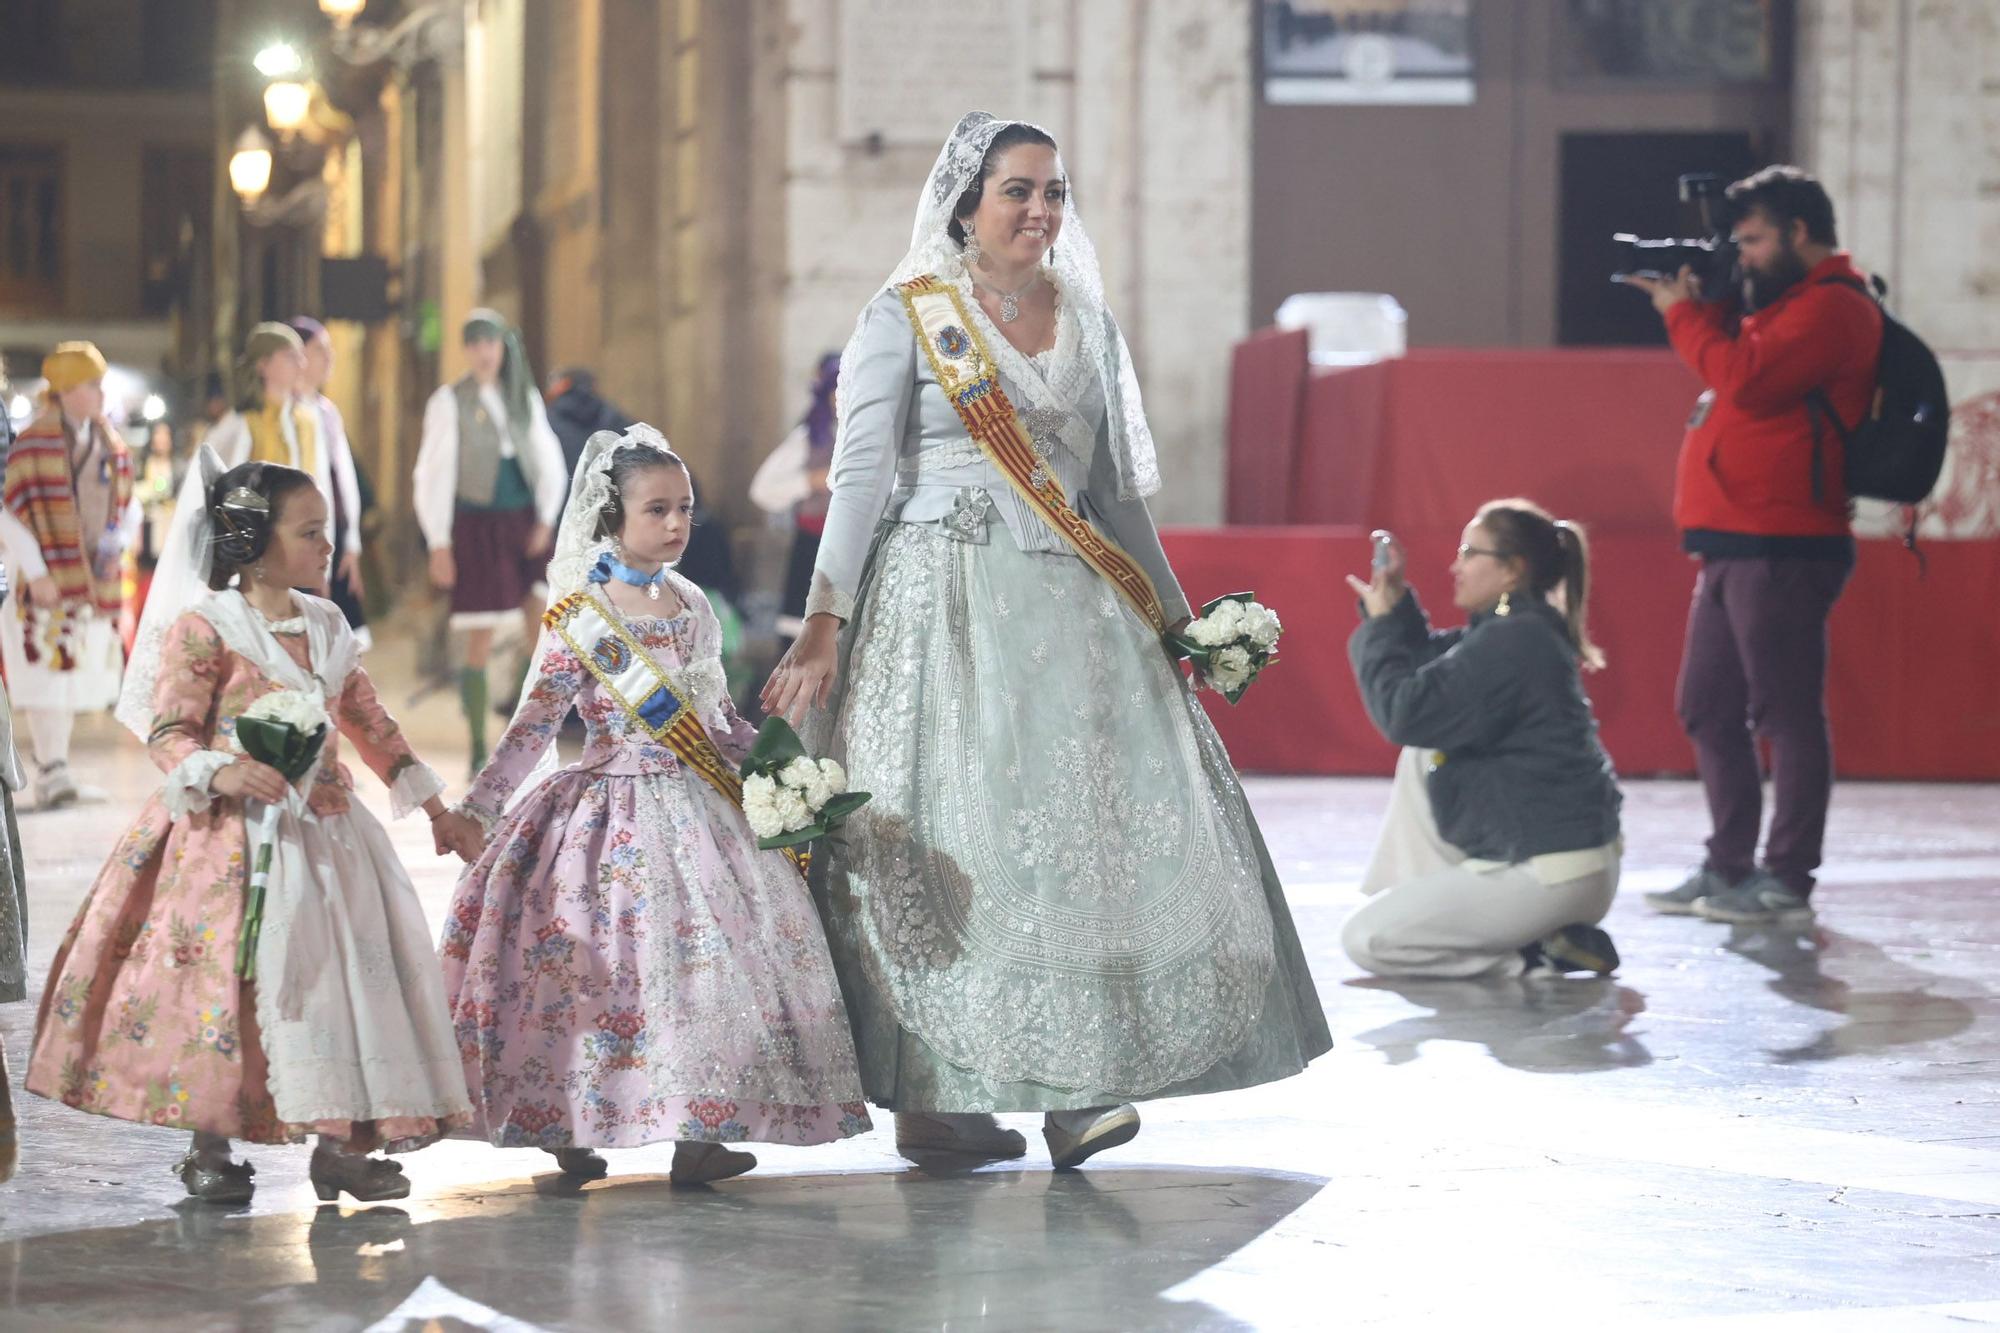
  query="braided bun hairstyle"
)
[
  {"x": 628, "y": 462},
  {"x": 243, "y": 508}
]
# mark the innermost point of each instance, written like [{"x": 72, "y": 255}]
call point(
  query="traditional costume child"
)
[
  {"x": 488, "y": 470},
  {"x": 263, "y": 429},
  {"x": 146, "y": 1015},
  {"x": 624, "y": 966}
]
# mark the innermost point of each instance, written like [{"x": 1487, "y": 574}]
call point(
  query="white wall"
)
[
  {"x": 1150, "y": 100},
  {"x": 1899, "y": 115}
]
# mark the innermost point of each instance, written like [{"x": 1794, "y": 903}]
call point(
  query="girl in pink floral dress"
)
[
  {"x": 624, "y": 966},
  {"x": 343, "y": 1031}
]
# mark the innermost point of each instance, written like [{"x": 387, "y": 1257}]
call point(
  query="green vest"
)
[{"x": 484, "y": 480}]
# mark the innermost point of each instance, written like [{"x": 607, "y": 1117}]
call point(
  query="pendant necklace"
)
[
  {"x": 624, "y": 573},
  {"x": 1010, "y": 302}
]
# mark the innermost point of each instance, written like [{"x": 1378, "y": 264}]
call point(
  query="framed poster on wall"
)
[
  {"x": 1669, "y": 41},
  {"x": 1384, "y": 52}
]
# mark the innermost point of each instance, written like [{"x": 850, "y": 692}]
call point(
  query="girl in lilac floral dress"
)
[{"x": 624, "y": 966}]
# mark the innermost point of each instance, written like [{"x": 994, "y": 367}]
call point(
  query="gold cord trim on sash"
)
[
  {"x": 965, "y": 371},
  {"x": 682, "y": 731}
]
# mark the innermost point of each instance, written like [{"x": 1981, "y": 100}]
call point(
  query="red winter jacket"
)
[{"x": 1746, "y": 464}]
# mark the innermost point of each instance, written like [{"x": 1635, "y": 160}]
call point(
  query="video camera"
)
[{"x": 1711, "y": 255}]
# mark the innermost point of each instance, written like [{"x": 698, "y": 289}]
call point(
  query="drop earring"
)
[
  {"x": 973, "y": 254},
  {"x": 1506, "y": 606},
  {"x": 257, "y": 571}
]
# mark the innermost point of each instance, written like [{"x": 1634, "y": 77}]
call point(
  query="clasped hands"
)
[{"x": 457, "y": 834}]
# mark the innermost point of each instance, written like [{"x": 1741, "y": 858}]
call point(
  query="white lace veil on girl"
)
[
  {"x": 1072, "y": 262},
  {"x": 578, "y": 547},
  {"x": 180, "y": 580}
]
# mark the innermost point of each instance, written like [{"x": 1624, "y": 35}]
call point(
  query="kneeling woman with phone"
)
[{"x": 1501, "y": 848}]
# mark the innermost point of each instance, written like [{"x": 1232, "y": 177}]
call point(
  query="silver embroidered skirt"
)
[{"x": 1058, "y": 897}]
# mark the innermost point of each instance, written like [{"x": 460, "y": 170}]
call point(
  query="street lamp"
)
[
  {"x": 342, "y": 12},
  {"x": 279, "y": 60},
  {"x": 250, "y": 165},
  {"x": 286, "y": 103}
]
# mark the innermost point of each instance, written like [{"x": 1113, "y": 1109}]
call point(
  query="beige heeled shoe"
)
[{"x": 1070, "y": 1144}]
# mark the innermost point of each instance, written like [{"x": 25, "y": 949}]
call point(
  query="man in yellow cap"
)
[{"x": 67, "y": 516}]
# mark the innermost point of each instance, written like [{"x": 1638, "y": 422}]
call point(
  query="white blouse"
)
[
  {"x": 903, "y": 451},
  {"x": 435, "y": 481}
]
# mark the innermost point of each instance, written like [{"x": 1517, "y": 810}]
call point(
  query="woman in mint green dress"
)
[{"x": 1058, "y": 899}]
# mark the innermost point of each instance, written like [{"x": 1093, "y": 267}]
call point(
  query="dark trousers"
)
[{"x": 1755, "y": 667}]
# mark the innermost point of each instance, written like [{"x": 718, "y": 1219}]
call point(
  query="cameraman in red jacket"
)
[{"x": 1760, "y": 504}]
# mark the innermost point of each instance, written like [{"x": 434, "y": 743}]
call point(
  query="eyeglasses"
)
[{"x": 1467, "y": 552}]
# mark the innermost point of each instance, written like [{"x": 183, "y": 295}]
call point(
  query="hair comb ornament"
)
[
  {"x": 242, "y": 522},
  {"x": 242, "y": 497}
]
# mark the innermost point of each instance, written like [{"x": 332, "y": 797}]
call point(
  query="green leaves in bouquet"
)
[
  {"x": 284, "y": 747},
  {"x": 841, "y": 806},
  {"x": 776, "y": 745}
]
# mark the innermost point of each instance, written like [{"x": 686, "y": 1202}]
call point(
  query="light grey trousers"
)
[{"x": 1432, "y": 913}]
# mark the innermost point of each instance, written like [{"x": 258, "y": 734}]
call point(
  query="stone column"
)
[{"x": 1898, "y": 113}]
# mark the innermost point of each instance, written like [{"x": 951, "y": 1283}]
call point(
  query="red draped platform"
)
[{"x": 1318, "y": 457}]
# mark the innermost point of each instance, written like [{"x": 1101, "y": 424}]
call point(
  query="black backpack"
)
[{"x": 1896, "y": 450}]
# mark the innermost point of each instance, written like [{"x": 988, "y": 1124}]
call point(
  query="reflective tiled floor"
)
[{"x": 1746, "y": 1129}]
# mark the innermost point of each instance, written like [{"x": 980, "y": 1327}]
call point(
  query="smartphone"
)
[{"x": 1382, "y": 541}]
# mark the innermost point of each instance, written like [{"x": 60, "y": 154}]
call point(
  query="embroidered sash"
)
[
  {"x": 647, "y": 692},
  {"x": 965, "y": 371}
]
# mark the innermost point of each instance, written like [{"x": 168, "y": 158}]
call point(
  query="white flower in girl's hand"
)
[
  {"x": 292, "y": 708},
  {"x": 803, "y": 776},
  {"x": 793, "y": 812},
  {"x": 1261, "y": 627},
  {"x": 760, "y": 806},
  {"x": 834, "y": 776}
]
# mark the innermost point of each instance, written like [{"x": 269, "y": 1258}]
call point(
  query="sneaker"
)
[
  {"x": 1703, "y": 883},
  {"x": 1758, "y": 900},
  {"x": 1581, "y": 948}
]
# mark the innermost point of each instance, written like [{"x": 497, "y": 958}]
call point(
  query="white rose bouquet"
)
[
  {"x": 286, "y": 729},
  {"x": 789, "y": 797},
  {"x": 1233, "y": 639}
]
